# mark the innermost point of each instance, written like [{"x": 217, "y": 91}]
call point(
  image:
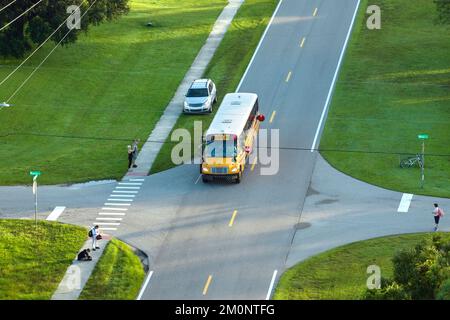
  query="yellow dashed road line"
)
[
  {"x": 289, "y": 76},
  {"x": 208, "y": 282},
  {"x": 232, "y": 218}
]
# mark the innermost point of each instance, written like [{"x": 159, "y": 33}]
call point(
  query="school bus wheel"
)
[{"x": 239, "y": 176}]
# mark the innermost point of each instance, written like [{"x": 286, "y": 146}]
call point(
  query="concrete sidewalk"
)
[
  {"x": 152, "y": 146},
  {"x": 79, "y": 272},
  {"x": 340, "y": 209}
]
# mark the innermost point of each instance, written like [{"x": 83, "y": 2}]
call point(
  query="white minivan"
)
[{"x": 201, "y": 96}]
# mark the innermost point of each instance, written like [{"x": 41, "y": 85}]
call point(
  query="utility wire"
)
[
  {"x": 36, "y": 50},
  {"x": 8, "y": 24},
  {"x": 45, "y": 59},
  {"x": 7, "y": 5},
  {"x": 175, "y": 142}
]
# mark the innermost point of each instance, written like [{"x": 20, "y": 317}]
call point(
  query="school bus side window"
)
[{"x": 252, "y": 116}]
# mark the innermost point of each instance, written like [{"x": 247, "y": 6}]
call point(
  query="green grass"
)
[
  {"x": 33, "y": 261},
  {"x": 227, "y": 67},
  {"x": 75, "y": 117},
  {"x": 341, "y": 273},
  {"x": 394, "y": 85},
  {"x": 117, "y": 276}
]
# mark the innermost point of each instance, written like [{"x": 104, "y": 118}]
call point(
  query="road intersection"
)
[{"x": 219, "y": 241}]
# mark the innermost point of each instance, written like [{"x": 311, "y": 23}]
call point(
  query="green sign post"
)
[
  {"x": 423, "y": 137},
  {"x": 35, "y": 175}
]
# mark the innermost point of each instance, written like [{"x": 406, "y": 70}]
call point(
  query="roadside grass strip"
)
[
  {"x": 118, "y": 275},
  {"x": 34, "y": 260},
  {"x": 341, "y": 273}
]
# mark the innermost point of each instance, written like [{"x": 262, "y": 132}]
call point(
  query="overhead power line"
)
[
  {"x": 37, "y": 49},
  {"x": 45, "y": 59},
  {"x": 97, "y": 138},
  {"x": 21, "y": 15},
  {"x": 7, "y": 5}
]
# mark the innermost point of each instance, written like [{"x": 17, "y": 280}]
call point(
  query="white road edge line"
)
[
  {"x": 259, "y": 45},
  {"x": 145, "y": 285},
  {"x": 405, "y": 202},
  {"x": 55, "y": 213},
  {"x": 325, "y": 108},
  {"x": 196, "y": 181},
  {"x": 269, "y": 293}
]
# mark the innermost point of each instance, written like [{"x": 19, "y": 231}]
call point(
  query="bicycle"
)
[{"x": 410, "y": 162}]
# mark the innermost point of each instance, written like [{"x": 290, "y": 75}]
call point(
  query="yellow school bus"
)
[{"x": 229, "y": 140}]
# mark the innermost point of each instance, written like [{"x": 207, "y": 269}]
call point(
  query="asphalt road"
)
[{"x": 184, "y": 225}]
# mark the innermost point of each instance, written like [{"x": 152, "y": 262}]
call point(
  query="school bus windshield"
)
[{"x": 220, "y": 149}]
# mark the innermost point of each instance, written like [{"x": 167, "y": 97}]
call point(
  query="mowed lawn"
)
[
  {"x": 118, "y": 275},
  {"x": 394, "y": 85},
  {"x": 74, "y": 119},
  {"x": 341, "y": 273},
  {"x": 226, "y": 68},
  {"x": 33, "y": 260}
]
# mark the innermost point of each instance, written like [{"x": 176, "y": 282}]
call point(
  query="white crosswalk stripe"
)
[{"x": 111, "y": 213}]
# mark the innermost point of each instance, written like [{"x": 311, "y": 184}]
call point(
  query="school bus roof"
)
[{"x": 232, "y": 114}]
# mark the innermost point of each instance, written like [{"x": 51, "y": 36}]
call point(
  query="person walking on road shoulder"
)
[
  {"x": 93, "y": 233},
  {"x": 135, "y": 152},
  {"x": 438, "y": 214},
  {"x": 130, "y": 156}
]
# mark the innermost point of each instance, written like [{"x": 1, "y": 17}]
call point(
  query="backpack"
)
[
  {"x": 441, "y": 212},
  {"x": 90, "y": 233}
]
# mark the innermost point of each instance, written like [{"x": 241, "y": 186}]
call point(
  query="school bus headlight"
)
[
  {"x": 234, "y": 169},
  {"x": 205, "y": 169}
]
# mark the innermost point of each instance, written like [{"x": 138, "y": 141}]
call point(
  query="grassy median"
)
[
  {"x": 33, "y": 260},
  {"x": 341, "y": 273},
  {"x": 75, "y": 117},
  {"x": 117, "y": 276},
  {"x": 227, "y": 67},
  {"x": 394, "y": 85}
]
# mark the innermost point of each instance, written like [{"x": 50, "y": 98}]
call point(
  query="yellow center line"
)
[
  {"x": 315, "y": 12},
  {"x": 289, "y": 76},
  {"x": 232, "y": 218},
  {"x": 208, "y": 282},
  {"x": 254, "y": 163},
  {"x": 303, "y": 42},
  {"x": 273, "y": 116}
]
